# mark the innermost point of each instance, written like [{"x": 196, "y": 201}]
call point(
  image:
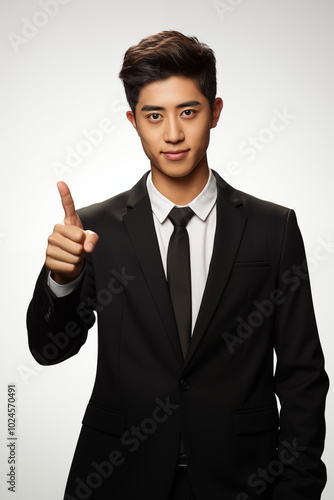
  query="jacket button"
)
[{"x": 184, "y": 384}]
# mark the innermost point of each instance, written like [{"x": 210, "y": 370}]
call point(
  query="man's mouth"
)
[{"x": 177, "y": 154}]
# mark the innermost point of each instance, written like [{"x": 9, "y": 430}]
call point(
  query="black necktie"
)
[{"x": 178, "y": 273}]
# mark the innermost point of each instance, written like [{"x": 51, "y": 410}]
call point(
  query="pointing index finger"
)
[{"x": 71, "y": 216}]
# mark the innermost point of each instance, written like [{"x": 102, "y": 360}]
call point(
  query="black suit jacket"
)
[{"x": 222, "y": 397}]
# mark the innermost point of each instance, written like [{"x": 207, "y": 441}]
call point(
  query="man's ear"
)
[
  {"x": 132, "y": 119},
  {"x": 216, "y": 110}
]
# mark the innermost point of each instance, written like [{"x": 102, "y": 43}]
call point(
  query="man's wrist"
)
[{"x": 65, "y": 289}]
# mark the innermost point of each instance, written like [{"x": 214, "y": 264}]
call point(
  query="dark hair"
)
[{"x": 169, "y": 53}]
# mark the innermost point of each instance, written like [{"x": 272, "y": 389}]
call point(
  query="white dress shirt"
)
[{"x": 201, "y": 230}]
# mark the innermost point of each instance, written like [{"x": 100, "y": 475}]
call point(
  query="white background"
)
[{"x": 61, "y": 78}]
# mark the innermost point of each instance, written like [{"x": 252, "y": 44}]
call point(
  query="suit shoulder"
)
[
  {"x": 269, "y": 223},
  {"x": 270, "y": 217},
  {"x": 262, "y": 207},
  {"x": 253, "y": 206},
  {"x": 263, "y": 214},
  {"x": 111, "y": 209}
]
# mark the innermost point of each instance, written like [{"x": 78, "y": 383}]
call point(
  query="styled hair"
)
[{"x": 166, "y": 54}]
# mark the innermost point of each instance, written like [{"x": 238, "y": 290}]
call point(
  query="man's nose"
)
[{"x": 173, "y": 131}]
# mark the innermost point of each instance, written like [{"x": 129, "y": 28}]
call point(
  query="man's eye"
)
[
  {"x": 188, "y": 112},
  {"x": 154, "y": 117}
]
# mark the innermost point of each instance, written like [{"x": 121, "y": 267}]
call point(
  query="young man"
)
[{"x": 190, "y": 306}]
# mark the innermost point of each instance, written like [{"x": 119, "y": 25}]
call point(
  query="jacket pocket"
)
[
  {"x": 252, "y": 263},
  {"x": 257, "y": 420},
  {"x": 104, "y": 419}
]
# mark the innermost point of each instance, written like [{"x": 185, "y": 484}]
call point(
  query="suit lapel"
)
[
  {"x": 231, "y": 221},
  {"x": 140, "y": 226}
]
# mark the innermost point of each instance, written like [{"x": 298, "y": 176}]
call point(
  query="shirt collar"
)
[{"x": 201, "y": 205}]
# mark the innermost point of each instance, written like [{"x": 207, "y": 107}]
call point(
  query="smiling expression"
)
[{"x": 173, "y": 120}]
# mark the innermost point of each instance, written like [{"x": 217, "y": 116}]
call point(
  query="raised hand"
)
[{"x": 68, "y": 243}]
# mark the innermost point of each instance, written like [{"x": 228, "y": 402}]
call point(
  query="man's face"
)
[{"x": 173, "y": 120}]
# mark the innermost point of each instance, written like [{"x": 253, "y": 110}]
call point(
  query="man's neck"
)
[{"x": 181, "y": 190}]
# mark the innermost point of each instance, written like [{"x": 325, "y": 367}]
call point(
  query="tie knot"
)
[{"x": 180, "y": 216}]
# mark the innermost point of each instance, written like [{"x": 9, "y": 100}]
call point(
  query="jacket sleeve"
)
[
  {"x": 301, "y": 382},
  {"x": 58, "y": 327}
]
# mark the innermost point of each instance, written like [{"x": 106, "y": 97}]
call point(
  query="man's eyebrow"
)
[
  {"x": 150, "y": 107},
  {"x": 188, "y": 104}
]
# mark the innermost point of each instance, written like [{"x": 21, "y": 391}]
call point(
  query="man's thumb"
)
[{"x": 71, "y": 217}]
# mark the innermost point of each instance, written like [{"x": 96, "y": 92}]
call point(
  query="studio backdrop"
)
[{"x": 63, "y": 118}]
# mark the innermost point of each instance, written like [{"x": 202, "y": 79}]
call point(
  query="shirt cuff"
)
[{"x": 63, "y": 290}]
